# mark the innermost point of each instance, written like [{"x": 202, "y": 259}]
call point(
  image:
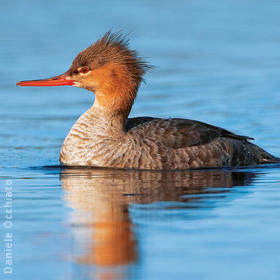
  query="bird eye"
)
[{"x": 84, "y": 70}]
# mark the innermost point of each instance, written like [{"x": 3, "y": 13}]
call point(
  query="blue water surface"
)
[{"x": 216, "y": 61}]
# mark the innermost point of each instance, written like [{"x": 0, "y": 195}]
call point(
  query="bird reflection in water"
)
[{"x": 101, "y": 198}]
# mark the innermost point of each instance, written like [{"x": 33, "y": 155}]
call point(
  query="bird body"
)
[
  {"x": 153, "y": 143},
  {"x": 104, "y": 136}
]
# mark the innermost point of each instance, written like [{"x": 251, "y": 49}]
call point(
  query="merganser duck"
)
[{"x": 104, "y": 136}]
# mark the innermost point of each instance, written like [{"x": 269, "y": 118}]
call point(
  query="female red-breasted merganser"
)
[{"x": 104, "y": 136}]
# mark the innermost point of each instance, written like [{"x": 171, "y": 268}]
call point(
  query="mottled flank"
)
[
  {"x": 151, "y": 143},
  {"x": 104, "y": 136}
]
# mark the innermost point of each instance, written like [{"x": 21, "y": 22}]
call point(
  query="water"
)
[{"x": 216, "y": 61}]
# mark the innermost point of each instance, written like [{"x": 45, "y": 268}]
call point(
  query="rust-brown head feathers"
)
[{"x": 112, "y": 47}]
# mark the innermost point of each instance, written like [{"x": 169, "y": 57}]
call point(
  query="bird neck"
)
[
  {"x": 105, "y": 121},
  {"x": 115, "y": 90},
  {"x": 114, "y": 106}
]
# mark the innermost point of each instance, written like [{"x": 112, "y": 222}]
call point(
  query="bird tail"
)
[
  {"x": 269, "y": 159},
  {"x": 265, "y": 157}
]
